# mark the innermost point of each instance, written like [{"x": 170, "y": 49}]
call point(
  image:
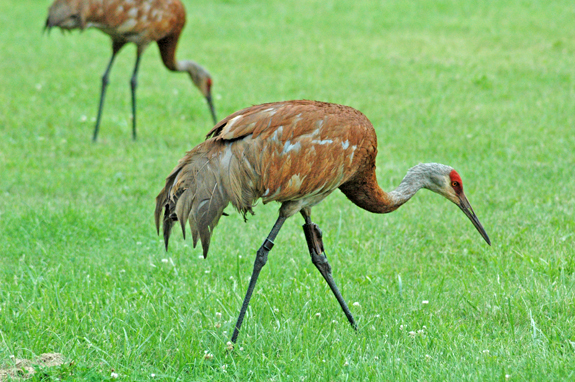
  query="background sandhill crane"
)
[
  {"x": 137, "y": 21},
  {"x": 295, "y": 153}
]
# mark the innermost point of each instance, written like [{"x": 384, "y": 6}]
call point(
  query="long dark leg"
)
[
  {"x": 261, "y": 259},
  {"x": 319, "y": 259},
  {"x": 116, "y": 46},
  {"x": 134, "y": 85}
]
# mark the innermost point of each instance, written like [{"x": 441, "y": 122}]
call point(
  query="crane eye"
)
[{"x": 454, "y": 184}]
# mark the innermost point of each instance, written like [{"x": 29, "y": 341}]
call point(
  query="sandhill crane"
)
[
  {"x": 295, "y": 153},
  {"x": 137, "y": 21}
]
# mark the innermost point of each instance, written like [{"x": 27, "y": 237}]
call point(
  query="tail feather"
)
[
  {"x": 168, "y": 223},
  {"x": 197, "y": 191}
]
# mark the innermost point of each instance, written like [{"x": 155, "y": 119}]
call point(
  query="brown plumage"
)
[
  {"x": 140, "y": 22},
  {"x": 295, "y": 153}
]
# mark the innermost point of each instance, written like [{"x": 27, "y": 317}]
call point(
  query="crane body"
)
[
  {"x": 133, "y": 21},
  {"x": 295, "y": 153}
]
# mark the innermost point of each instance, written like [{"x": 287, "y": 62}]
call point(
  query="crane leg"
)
[
  {"x": 261, "y": 259},
  {"x": 116, "y": 46},
  {"x": 134, "y": 85},
  {"x": 319, "y": 259}
]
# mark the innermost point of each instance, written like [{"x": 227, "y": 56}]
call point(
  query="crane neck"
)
[
  {"x": 189, "y": 66},
  {"x": 411, "y": 183},
  {"x": 368, "y": 195}
]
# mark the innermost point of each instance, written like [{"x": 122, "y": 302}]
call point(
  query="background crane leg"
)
[
  {"x": 261, "y": 259},
  {"x": 116, "y": 46},
  {"x": 319, "y": 259},
  {"x": 134, "y": 85}
]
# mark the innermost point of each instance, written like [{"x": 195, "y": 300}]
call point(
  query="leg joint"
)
[{"x": 268, "y": 245}]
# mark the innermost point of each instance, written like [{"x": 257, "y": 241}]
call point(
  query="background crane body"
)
[
  {"x": 140, "y": 22},
  {"x": 295, "y": 153}
]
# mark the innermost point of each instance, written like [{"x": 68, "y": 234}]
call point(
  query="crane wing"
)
[{"x": 297, "y": 118}]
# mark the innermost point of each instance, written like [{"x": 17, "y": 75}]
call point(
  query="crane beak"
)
[
  {"x": 468, "y": 211},
  {"x": 212, "y": 109}
]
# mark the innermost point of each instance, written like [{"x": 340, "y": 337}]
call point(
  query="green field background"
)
[{"x": 487, "y": 87}]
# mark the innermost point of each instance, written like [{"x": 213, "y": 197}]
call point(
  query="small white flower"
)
[
  {"x": 114, "y": 375},
  {"x": 376, "y": 358},
  {"x": 207, "y": 271},
  {"x": 208, "y": 356},
  {"x": 412, "y": 334},
  {"x": 318, "y": 314},
  {"x": 241, "y": 348},
  {"x": 485, "y": 351},
  {"x": 420, "y": 331},
  {"x": 83, "y": 118},
  {"x": 218, "y": 315},
  {"x": 427, "y": 356},
  {"x": 356, "y": 303},
  {"x": 425, "y": 302},
  {"x": 507, "y": 376},
  {"x": 224, "y": 368},
  {"x": 346, "y": 363},
  {"x": 229, "y": 346},
  {"x": 377, "y": 316},
  {"x": 165, "y": 261},
  {"x": 138, "y": 243},
  {"x": 153, "y": 375},
  {"x": 401, "y": 327},
  {"x": 333, "y": 321},
  {"x": 200, "y": 257}
]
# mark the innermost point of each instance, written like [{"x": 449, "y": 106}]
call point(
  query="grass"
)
[{"x": 484, "y": 86}]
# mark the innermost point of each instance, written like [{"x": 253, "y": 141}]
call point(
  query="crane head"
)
[
  {"x": 447, "y": 182},
  {"x": 202, "y": 80},
  {"x": 65, "y": 14}
]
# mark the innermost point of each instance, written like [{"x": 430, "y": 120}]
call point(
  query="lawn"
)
[{"x": 487, "y": 87}]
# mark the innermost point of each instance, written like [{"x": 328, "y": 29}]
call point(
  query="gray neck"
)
[
  {"x": 195, "y": 70},
  {"x": 425, "y": 175}
]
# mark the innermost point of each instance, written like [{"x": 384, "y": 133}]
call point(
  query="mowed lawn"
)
[{"x": 487, "y": 87}]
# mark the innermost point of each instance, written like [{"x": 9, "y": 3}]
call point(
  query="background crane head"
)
[
  {"x": 202, "y": 80},
  {"x": 66, "y": 14},
  {"x": 445, "y": 181}
]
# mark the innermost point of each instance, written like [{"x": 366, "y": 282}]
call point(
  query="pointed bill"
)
[
  {"x": 468, "y": 211},
  {"x": 212, "y": 109}
]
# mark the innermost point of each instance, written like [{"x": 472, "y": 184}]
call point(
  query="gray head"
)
[
  {"x": 201, "y": 79},
  {"x": 445, "y": 181}
]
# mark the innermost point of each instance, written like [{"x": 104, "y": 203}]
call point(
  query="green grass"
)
[{"x": 484, "y": 86}]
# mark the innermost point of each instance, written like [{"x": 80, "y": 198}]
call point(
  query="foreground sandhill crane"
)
[
  {"x": 137, "y": 21},
  {"x": 295, "y": 153}
]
